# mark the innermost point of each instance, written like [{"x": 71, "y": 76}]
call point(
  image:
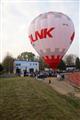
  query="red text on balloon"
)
[{"x": 43, "y": 33}]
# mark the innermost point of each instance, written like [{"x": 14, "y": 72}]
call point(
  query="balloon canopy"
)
[{"x": 51, "y": 35}]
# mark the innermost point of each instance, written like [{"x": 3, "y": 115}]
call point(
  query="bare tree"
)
[{"x": 70, "y": 59}]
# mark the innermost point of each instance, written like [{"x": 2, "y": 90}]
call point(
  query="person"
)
[
  {"x": 62, "y": 76},
  {"x": 25, "y": 71},
  {"x": 59, "y": 76},
  {"x": 49, "y": 81}
]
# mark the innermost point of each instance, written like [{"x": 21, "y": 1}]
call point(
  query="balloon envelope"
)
[{"x": 51, "y": 35}]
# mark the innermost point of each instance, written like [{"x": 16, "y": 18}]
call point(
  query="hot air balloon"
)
[{"x": 51, "y": 35}]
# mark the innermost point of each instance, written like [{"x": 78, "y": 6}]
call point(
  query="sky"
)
[{"x": 16, "y": 16}]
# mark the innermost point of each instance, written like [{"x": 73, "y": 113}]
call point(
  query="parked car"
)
[{"x": 42, "y": 75}]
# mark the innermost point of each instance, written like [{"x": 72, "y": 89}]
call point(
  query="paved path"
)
[{"x": 62, "y": 87}]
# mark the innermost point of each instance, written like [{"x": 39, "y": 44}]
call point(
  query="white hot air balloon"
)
[{"x": 51, "y": 35}]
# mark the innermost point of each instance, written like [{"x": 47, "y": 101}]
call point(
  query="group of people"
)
[{"x": 60, "y": 76}]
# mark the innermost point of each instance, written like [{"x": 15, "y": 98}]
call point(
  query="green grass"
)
[{"x": 30, "y": 99}]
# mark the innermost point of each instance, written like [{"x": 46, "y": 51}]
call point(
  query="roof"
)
[{"x": 25, "y": 61}]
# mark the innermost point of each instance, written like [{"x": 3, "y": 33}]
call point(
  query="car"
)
[{"x": 42, "y": 75}]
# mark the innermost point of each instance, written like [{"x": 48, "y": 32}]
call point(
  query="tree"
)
[
  {"x": 70, "y": 60},
  {"x": 1, "y": 68},
  {"x": 29, "y": 56},
  {"x": 8, "y": 64},
  {"x": 62, "y": 65},
  {"x": 77, "y": 63}
]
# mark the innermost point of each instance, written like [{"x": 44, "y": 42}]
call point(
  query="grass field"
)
[{"x": 30, "y": 99}]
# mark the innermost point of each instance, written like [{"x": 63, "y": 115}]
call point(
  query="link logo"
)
[{"x": 43, "y": 33}]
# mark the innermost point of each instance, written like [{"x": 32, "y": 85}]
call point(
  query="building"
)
[{"x": 22, "y": 65}]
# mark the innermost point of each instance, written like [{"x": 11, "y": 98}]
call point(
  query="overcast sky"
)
[{"x": 16, "y": 16}]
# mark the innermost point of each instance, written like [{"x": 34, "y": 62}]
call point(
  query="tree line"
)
[{"x": 7, "y": 64}]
